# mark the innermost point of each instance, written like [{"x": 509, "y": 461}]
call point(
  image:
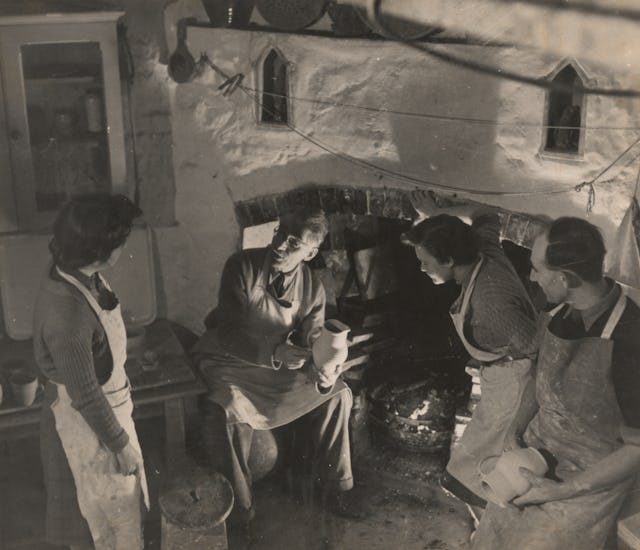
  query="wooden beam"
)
[{"x": 610, "y": 40}]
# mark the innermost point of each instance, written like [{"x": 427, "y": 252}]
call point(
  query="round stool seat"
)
[{"x": 200, "y": 503}]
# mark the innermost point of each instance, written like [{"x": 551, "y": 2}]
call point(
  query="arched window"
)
[
  {"x": 565, "y": 113},
  {"x": 274, "y": 89}
]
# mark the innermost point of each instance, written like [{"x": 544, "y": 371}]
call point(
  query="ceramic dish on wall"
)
[
  {"x": 291, "y": 15},
  {"x": 395, "y": 27},
  {"x": 345, "y": 20}
]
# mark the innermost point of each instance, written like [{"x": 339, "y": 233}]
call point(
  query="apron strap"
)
[
  {"x": 614, "y": 318},
  {"x": 472, "y": 283},
  {"x": 555, "y": 310}
]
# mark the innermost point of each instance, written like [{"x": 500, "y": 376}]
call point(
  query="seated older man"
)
[{"x": 257, "y": 361}]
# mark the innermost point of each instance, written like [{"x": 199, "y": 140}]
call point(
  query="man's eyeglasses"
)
[{"x": 293, "y": 243}]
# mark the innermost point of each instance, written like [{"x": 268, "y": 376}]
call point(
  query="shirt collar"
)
[
  {"x": 592, "y": 314},
  {"x": 85, "y": 280}
]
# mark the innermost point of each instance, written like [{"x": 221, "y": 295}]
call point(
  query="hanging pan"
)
[{"x": 182, "y": 66}]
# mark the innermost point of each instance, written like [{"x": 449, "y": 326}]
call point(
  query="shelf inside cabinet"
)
[{"x": 92, "y": 80}]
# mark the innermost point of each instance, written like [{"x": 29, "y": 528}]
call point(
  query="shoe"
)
[{"x": 452, "y": 487}]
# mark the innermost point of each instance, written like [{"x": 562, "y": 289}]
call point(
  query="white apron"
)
[
  {"x": 502, "y": 382},
  {"x": 108, "y": 500},
  {"x": 579, "y": 422},
  {"x": 261, "y": 397}
]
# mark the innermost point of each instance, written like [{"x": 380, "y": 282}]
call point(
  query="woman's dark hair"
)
[
  {"x": 575, "y": 245},
  {"x": 90, "y": 227},
  {"x": 445, "y": 237}
]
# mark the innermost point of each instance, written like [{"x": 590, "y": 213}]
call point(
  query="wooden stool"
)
[{"x": 193, "y": 514}]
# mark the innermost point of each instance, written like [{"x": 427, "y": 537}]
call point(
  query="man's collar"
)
[{"x": 592, "y": 314}]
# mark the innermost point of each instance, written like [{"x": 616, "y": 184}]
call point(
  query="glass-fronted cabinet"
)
[{"x": 62, "y": 113}]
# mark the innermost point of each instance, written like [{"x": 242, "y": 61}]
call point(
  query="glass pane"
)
[{"x": 67, "y": 123}]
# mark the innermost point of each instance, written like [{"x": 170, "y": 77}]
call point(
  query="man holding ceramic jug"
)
[
  {"x": 584, "y": 417},
  {"x": 256, "y": 360}
]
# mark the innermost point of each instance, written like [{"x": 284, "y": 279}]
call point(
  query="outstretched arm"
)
[{"x": 426, "y": 206}]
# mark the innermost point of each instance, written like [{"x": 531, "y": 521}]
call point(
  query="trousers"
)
[{"x": 321, "y": 448}]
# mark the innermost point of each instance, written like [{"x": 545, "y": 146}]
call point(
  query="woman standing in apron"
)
[
  {"x": 495, "y": 320},
  {"x": 94, "y": 473},
  {"x": 587, "y": 385}
]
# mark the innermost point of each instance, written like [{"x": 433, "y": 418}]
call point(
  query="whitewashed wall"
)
[{"x": 221, "y": 153}]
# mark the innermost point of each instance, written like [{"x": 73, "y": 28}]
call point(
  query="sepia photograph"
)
[{"x": 319, "y": 274}]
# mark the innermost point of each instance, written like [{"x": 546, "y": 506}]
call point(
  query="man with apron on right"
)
[
  {"x": 496, "y": 322},
  {"x": 585, "y": 414}
]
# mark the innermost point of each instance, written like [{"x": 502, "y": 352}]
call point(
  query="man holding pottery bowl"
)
[{"x": 585, "y": 413}]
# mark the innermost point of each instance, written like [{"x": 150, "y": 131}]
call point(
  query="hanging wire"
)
[
  {"x": 204, "y": 59},
  {"x": 375, "y": 14},
  {"x": 591, "y": 200},
  {"x": 429, "y": 116}
]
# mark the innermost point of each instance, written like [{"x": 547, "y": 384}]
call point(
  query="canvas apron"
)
[
  {"x": 108, "y": 500},
  {"x": 502, "y": 382},
  {"x": 579, "y": 422},
  {"x": 262, "y": 397}
]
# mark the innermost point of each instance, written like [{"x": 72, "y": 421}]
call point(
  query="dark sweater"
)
[
  {"x": 501, "y": 315},
  {"x": 69, "y": 342}
]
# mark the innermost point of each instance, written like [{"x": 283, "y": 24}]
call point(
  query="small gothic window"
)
[
  {"x": 565, "y": 113},
  {"x": 274, "y": 89}
]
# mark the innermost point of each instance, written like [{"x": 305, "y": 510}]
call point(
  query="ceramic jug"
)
[
  {"x": 505, "y": 482},
  {"x": 330, "y": 350}
]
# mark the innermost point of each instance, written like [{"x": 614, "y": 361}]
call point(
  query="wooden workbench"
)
[{"x": 159, "y": 388}]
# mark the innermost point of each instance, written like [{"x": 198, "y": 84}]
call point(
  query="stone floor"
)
[{"x": 406, "y": 508}]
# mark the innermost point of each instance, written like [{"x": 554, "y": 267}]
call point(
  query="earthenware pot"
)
[
  {"x": 24, "y": 387},
  {"x": 504, "y": 481},
  {"x": 330, "y": 350}
]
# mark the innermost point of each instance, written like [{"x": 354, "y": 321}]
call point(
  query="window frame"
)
[
  {"x": 260, "y": 74},
  {"x": 576, "y": 156}
]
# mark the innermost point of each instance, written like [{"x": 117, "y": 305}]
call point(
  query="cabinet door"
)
[{"x": 64, "y": 115}]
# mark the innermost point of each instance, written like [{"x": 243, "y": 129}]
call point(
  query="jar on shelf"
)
[{"x": 93, "y": 106}]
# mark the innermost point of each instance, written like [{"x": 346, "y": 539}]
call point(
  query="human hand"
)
[
  {"x": 129, "y": 460},
  {"x": 326, "y": 378},
  {"x": 423, "y": 203},
  {"x": 542, "y": 490},
  {"x": 291, "y": 356},
  {"x": 511, "y": 442}
]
